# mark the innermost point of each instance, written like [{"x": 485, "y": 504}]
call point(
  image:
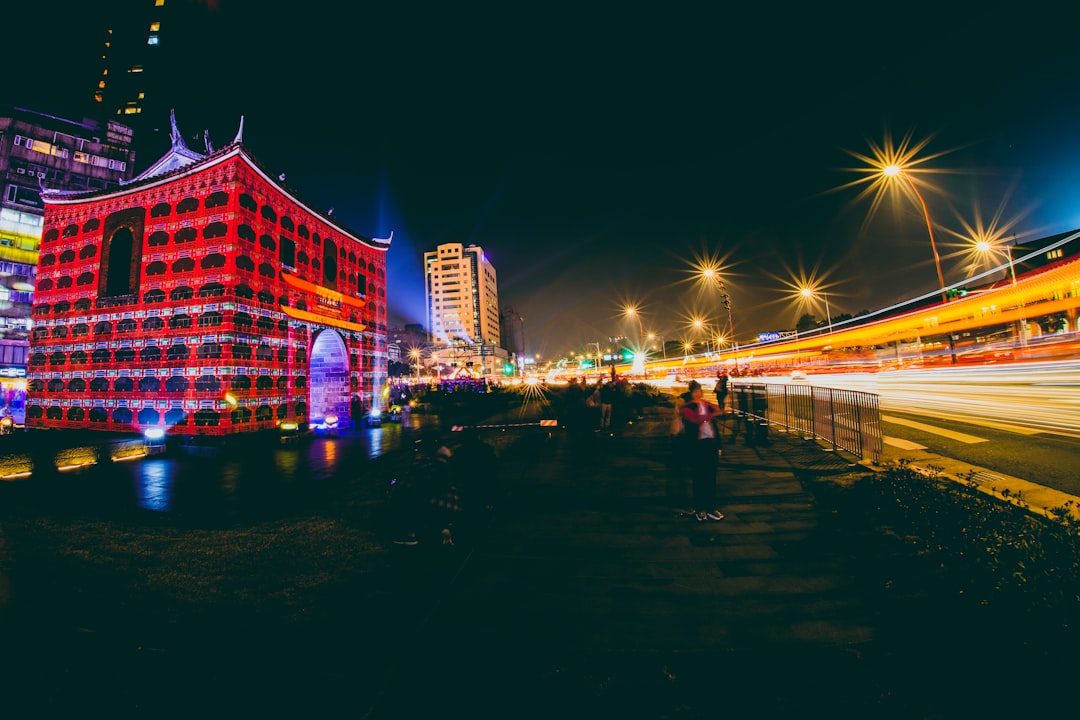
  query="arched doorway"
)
[{"x": 328, "y": 376}]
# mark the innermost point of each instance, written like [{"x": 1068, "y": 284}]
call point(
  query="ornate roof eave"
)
[{"x": 147, "y": 180}]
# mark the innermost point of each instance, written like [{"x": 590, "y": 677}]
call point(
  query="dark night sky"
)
[{"x": 595, "y": 152}]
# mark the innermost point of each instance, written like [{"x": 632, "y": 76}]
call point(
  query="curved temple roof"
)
[{"x": 180, "y": 159}]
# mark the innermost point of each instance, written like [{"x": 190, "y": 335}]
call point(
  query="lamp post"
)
[
  {"x": 415, "y": 354},
  {"x": 809, "y": 293},
  {"x": 663, "y": 345},
  {"x": 896, "y": 171},
  {"x": 725, "y": 299},
  {"x": 638, "y": 366},
  {"x": 985, "y": 246}
]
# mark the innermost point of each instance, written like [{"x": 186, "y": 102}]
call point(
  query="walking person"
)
[
  {"x": 721, "y": 391},
  {"x": 702, "y": 447}
]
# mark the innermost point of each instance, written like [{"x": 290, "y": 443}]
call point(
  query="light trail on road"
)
[{"x": 1042, "y": 396}]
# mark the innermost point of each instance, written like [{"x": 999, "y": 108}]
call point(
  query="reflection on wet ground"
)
[{"x": 244, "y": 483}]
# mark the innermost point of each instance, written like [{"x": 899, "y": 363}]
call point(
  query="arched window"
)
[
  {"x": 206, "y": 418},
  {"x": 267, "y": 242},
  {"x": 149, "y": 416},
  {"x": 100, "y": 356},
  {"x": 67, "y": 256},
  {"x": 282, "y": 383},
  {"x": 210, "y": 318},
  {"x": 151, "y": 353},
  {"x": 240, "y": 415},
  {"x": 42, "y": 309},
  {"x": 117, "y": 270},
  {"x": 208, "y": 350},
  {"x": 47, "y": 260},
  {"x": 157, "y": 267},
  {"x": 154, "y": 296},
  {"x": 40, "y": 332},
  {"x": 180, "y": 322},
  {"x": 267, "y": 270},
  {"x": 241, "y": 351},
  {"x": 65, "y": 281},
  {"x": 216, "y": 199},
  {"x": 248, "y": 203},
  {"x": 158, "y": 238},
  {"x": 302, "y": 231},
  {"x": 51, "y": 234},
  {"x": 268, "y": 213},
  {"x": 242, "y": 320},
  {"x": 185, "y": 235},
  {"x": 188, "y": 204},
  {"x": 300, "y": 382},
  {"x": 54, "y": 412},
  {"x": 213, "y": 260},
  {"x": 79, "y": 357},
  {"x": 177, "y": 352},
  {"x": 61, "y": 307},
  {"x": 122, "y": 415},
  {"x": 99, "y": 384},
  {"x": 45, "y": 284},
  {"x": 183, "y": 265},
  {"x": 243, "y": 291},
  {"x": 98, "y": 415},
  {"x": 329, "y": 262},
  {"x": 241, "y": 382},
  {"x": 207, "y": 383},
  {"x": 103, "y": 327},
  {"x": 176, "y": 383},
  {"x": 58, "y": 357},
  {"x": 213, "y": 289},
  {"x": 266, "y": 297},
  {"x": 126, "y": 325},
  {"x": 264, "y": 324},
  {"x": 123, "y": 384},
  {"x": 60, "y": 331},
  {"x": 76, "y": 413},
  {"x": 153, "y": 324},
  {"x": 181, "y": 292},
  {"x": 264, "y": 413},
  {"x": 287, "y": 223},
  {"x": 150, "y": 384},
  {"x": 244, "y": 232},
  {"x": 162, "y": 209},
  {"x": 71, "y": 230},
  {"x": 82, "y": 304},
  {"x": 87, "y": 252},
  {"x": 243, "y": 262},
  {"x": 125, "y": 355},
  {"x": 175, "y": 417},
  {"x": 77, "y": 385},
  {"x": 215, "y": 230},
  {"x": 264, "y": 382},
  {"x": 34, "y": 412},
  {"x": 56, "y": 385},
  {"x": 264, "y": 352}
]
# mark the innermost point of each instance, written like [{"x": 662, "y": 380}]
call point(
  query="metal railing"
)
[{"x": 848, "y": 420}]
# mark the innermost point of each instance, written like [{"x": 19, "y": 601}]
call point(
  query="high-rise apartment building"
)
[
  {"x": 38, "y": 151},
  {"x": 131, "y": 50},
  {"x": 462, "y": 296},
  {"x": 462, "y": 301}
]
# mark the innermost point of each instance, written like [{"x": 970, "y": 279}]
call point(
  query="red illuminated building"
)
[{"x": 203, "y": 297}]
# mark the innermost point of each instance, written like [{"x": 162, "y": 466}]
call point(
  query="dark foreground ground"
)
[{"x": 586, "y": 595}]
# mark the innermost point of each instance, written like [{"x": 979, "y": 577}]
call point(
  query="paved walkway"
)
[
  {"x": 588, "y": 595},
  {"x": 591, "y": 596}
]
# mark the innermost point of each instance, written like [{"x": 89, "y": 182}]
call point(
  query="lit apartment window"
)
[
  {"x": 152, "y": 40},
  {"x": 155, "y": 26},
  {"x": 157, "y": 3},
  {"x": 136, "y": 69},
  {"x": 101, "y": 83}
]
